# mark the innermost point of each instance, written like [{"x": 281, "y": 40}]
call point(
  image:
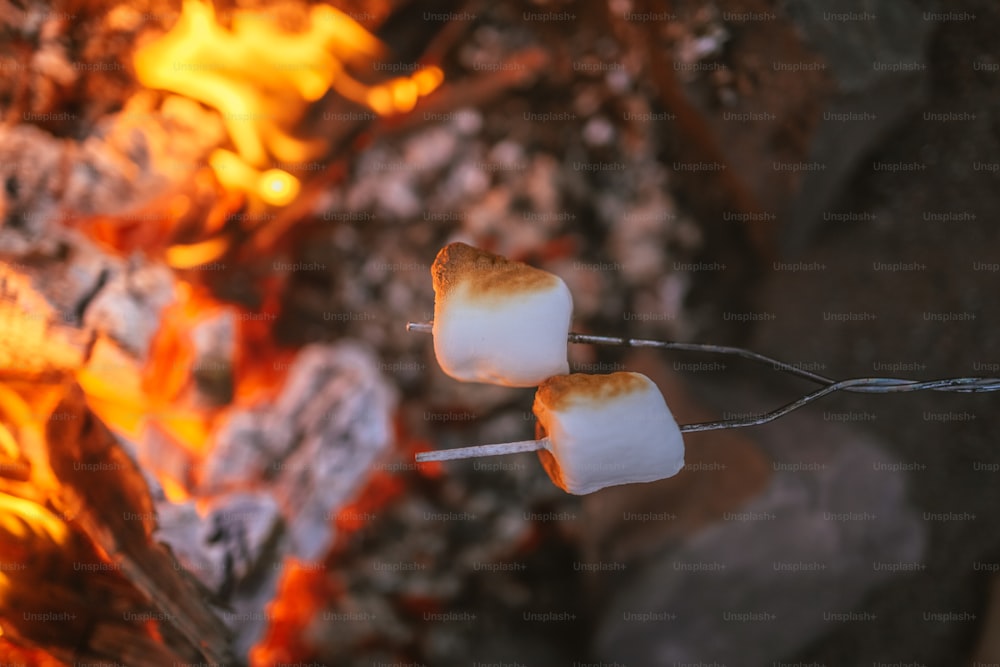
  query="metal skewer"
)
[
  {"x": 864, "y": 385},
  {"x": 763, "y": 418},
  {"x": 484, "y": 450},
  {"x": 871, "y": 385}
]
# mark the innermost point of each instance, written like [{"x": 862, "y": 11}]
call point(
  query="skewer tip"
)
[
  {"x": 483, "y": 450},
  {"x": 422, "y": 327}
]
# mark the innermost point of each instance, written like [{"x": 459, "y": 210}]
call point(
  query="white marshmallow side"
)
[
  {"x": 596, "y": 441},
  {"x": 516, "y": 340}
]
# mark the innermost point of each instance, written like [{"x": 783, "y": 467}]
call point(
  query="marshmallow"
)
[
  {"x": 605, "y": 430},
  {"x": 498, "y": 321}
]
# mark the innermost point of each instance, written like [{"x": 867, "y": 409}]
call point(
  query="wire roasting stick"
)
[
  {"x": 503, "y": 322},
  {"x": 873, "y": 385},
  {"x": 876, "y": 385}
]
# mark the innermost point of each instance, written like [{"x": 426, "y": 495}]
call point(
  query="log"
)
[
  {"x": 86, "y": 508},
  {"x": 79, "y": 325}
]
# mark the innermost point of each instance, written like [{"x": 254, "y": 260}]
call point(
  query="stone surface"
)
[{"x": 768, "y": 577}]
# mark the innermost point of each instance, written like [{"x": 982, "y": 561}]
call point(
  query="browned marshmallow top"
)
[
  {"x": 561, "y": 392},
  {"x": 486, "y": 275}
]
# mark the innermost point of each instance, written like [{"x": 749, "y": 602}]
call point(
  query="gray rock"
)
[{"x": 766, "y": 580}]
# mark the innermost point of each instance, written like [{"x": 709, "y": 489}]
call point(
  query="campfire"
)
[
  {"x": 164, "y": 462},
  {"x": 217, "y": 219}
]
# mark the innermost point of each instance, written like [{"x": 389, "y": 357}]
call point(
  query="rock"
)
[{"x": 770, "y": 577}]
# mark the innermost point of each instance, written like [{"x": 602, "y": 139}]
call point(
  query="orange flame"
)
[
  {"x": 301, "y": 593},
  {"x": 131, "y": 399},
  {"x": 12, "y": 654},
  {"x": 26, "y": 524},
  {"x": 263, "y": 79}
]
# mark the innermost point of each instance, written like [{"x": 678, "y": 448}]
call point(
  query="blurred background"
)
[{"x": 216, "y": 221}]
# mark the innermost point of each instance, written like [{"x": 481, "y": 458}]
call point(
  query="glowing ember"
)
[
  {"x": 12, "y": 654},
  {"x": 301, "y": 593}
]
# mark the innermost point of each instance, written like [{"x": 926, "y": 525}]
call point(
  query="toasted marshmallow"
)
[
  {"x": 498, "y": 321},
  {"x": 605, "y": 430}
]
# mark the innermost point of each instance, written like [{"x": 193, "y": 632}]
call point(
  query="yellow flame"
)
[
  {"x": 114, "y": 390},
  {"x": 277, "y": 187},
  {"x": 401, "y": 95},
  {"x": 427, "y": 80},
  {"x": 8, "y": 445},
  {"x": 15, "y": 409},
  {"x": 25, "y": 409},
  {"x": 175, "y": 491},
  {"x": 21, "y": 518},
  {"x": 262, "y": 80},
  {"x": 195, "y": 254},
  {"x": 233, "y": 172}
]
